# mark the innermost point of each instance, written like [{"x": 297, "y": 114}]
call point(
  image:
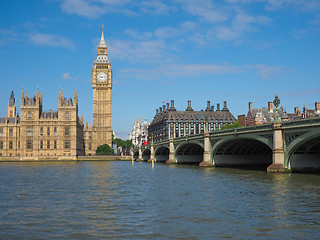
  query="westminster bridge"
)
[{"x": 280, "y": 147}]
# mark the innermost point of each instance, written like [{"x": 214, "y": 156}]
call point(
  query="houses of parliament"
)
[{"x": 60, "y": 135}]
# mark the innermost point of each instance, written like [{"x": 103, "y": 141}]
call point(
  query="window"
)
[
  {"x": 55, "y": 144},
  {"x": 48, "y": 131},
  {"x": 29, "y": 131},
  {"x": 67, "y": 131},
  {"x": 41, "y": 131},
  {"x": 1, "y": 144},
  {"x": 89, "y": 146},
  {"x": 41, "y": 144},
  {"x": 29, "y": 115},
  {"x": 67, "y": 144},
  {"x": 19, "y": 145},
  {"x": 29, "y": 144},
  {"x": 67, "y": 115},
  {"x": 55, "y": 131},
  {"x": 10, "y": 132},
  {"x": 48, "y": 144},
  {"x": 90, "y": 135},
  {"x": 1, "y": 132}
]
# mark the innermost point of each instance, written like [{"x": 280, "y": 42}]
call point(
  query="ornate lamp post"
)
[{"x": 276, "y": 103}]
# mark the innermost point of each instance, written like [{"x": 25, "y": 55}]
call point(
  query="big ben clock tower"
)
[{"x": 102, "y": 85}]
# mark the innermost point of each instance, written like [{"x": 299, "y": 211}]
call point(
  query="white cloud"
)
[
  {"x": 51, "y": 40},
  {"x": 266, "y": 72},
  {"x": 190, "y": 70},
  {"x": 156, "y": 7},
  {"x": 66, "y": 76},
  {"x": 242, "y": 23},
  {"x": 300, "y": 5},
  {"x": 205, "y": 9},
  {"x": 82, "y": 8},
  {"x": 139, "y": 51}
]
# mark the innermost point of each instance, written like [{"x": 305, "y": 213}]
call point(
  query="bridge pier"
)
[
  {"x": 277, "y": 165},
  {"x": 206, "y": 162},
  {"x": 171, "y": 159},
  {"x": 140, "y": 155},
  {"x": 151, "y": 159}
]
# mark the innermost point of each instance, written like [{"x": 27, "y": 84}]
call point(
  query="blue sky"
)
[{"x": 232, "y": 50}]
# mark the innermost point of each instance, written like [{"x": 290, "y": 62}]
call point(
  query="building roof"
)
[
  {"x": 49, "y": 114},
  {"x": 269, "y": 116},
  {"x": 196, "y": 116},
  {"x": 9, "y": 120}
]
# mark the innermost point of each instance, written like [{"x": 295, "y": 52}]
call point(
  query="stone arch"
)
[
  {"x": 136, "y": 155},
  {"x": 246, "y": 151},
  {"x": 189, "y": 152},
  {"x": 162, "y": 154},
  {"x": 303, "y": 153},
  {"x": 146, "y": 154}
]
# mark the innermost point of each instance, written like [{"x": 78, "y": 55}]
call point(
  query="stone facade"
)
[
  {"x": 40, "y": 135},
  {"x": 139, "y": 133},
  {"x": 60, "y": 135},
  {"x": 100, "y": 131},
  {"x": 170, "y": 123}
]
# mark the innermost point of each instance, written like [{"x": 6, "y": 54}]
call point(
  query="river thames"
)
[{"x": 115, "y": 200}]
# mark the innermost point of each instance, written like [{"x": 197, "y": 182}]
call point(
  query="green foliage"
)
[
  {"x": 236, "y": 124},
  {"x": 122, "y": 143},
  {"x": 104, "y": 149}
]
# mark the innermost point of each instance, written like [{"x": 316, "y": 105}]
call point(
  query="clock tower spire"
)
[{"x": 102, "y": 85}]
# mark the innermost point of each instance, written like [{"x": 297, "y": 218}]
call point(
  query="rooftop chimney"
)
[
  {"x": 270, "y": 107},
  {"x": 189, "y": 108},
  {"x": 164, "y": 107},
  {"x": 218, "y": 106},
  {"x": 168, "y": 105},
  {"x": 172, "y": 108},
  {"x": 296, "y": 109},
  {"x": 317, "y": 107},
  {"x": 225, "y": 108},
  {"x": 250, "y": 106},
  {"x": 157, "y": 111},
  {"x": 160, "y": 108},
  {"x": 208, "y": 106}
]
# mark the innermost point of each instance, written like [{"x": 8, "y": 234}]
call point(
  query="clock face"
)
[{"x": 102, "y": 77}]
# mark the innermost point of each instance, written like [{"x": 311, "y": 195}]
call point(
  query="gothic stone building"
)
[
  {"x": 139, "y": 133},
  {"x": 59, "y": 135},
  {"x": 168, "y": 122}
]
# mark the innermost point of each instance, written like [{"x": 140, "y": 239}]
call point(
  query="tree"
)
[
  {"x": 124, "y": 145},
  {"x": 104, "y": 149},
  {"x": 236, "y": 124}
]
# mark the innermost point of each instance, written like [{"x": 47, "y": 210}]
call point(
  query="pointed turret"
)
[
  {"x": 75, "y": 97},
  {"x": 102, "y": 43}
]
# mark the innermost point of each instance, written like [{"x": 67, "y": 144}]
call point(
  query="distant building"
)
[
  {"x": 242, "y": 120},
  {"x": 61, "y": 134},
  {"x": 258, "y": 116},
  {"x": 309, "y": 113},
  {"x": 139, "y": 133},
  {"x": 170, "y": 122},
  {"x": 38, "y": 134}
]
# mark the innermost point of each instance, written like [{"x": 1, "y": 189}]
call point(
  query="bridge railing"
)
[
  {"x": 301, "y": 122},
  {"x": 263, "y": 127}
]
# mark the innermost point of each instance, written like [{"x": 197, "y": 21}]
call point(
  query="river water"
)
[{"x": 115, "y": 200}]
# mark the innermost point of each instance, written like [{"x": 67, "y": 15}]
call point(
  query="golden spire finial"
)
[{"x": 102, "y": 27}]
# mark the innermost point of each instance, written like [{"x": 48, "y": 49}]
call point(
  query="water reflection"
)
[{"x": 114, "y": 200}]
